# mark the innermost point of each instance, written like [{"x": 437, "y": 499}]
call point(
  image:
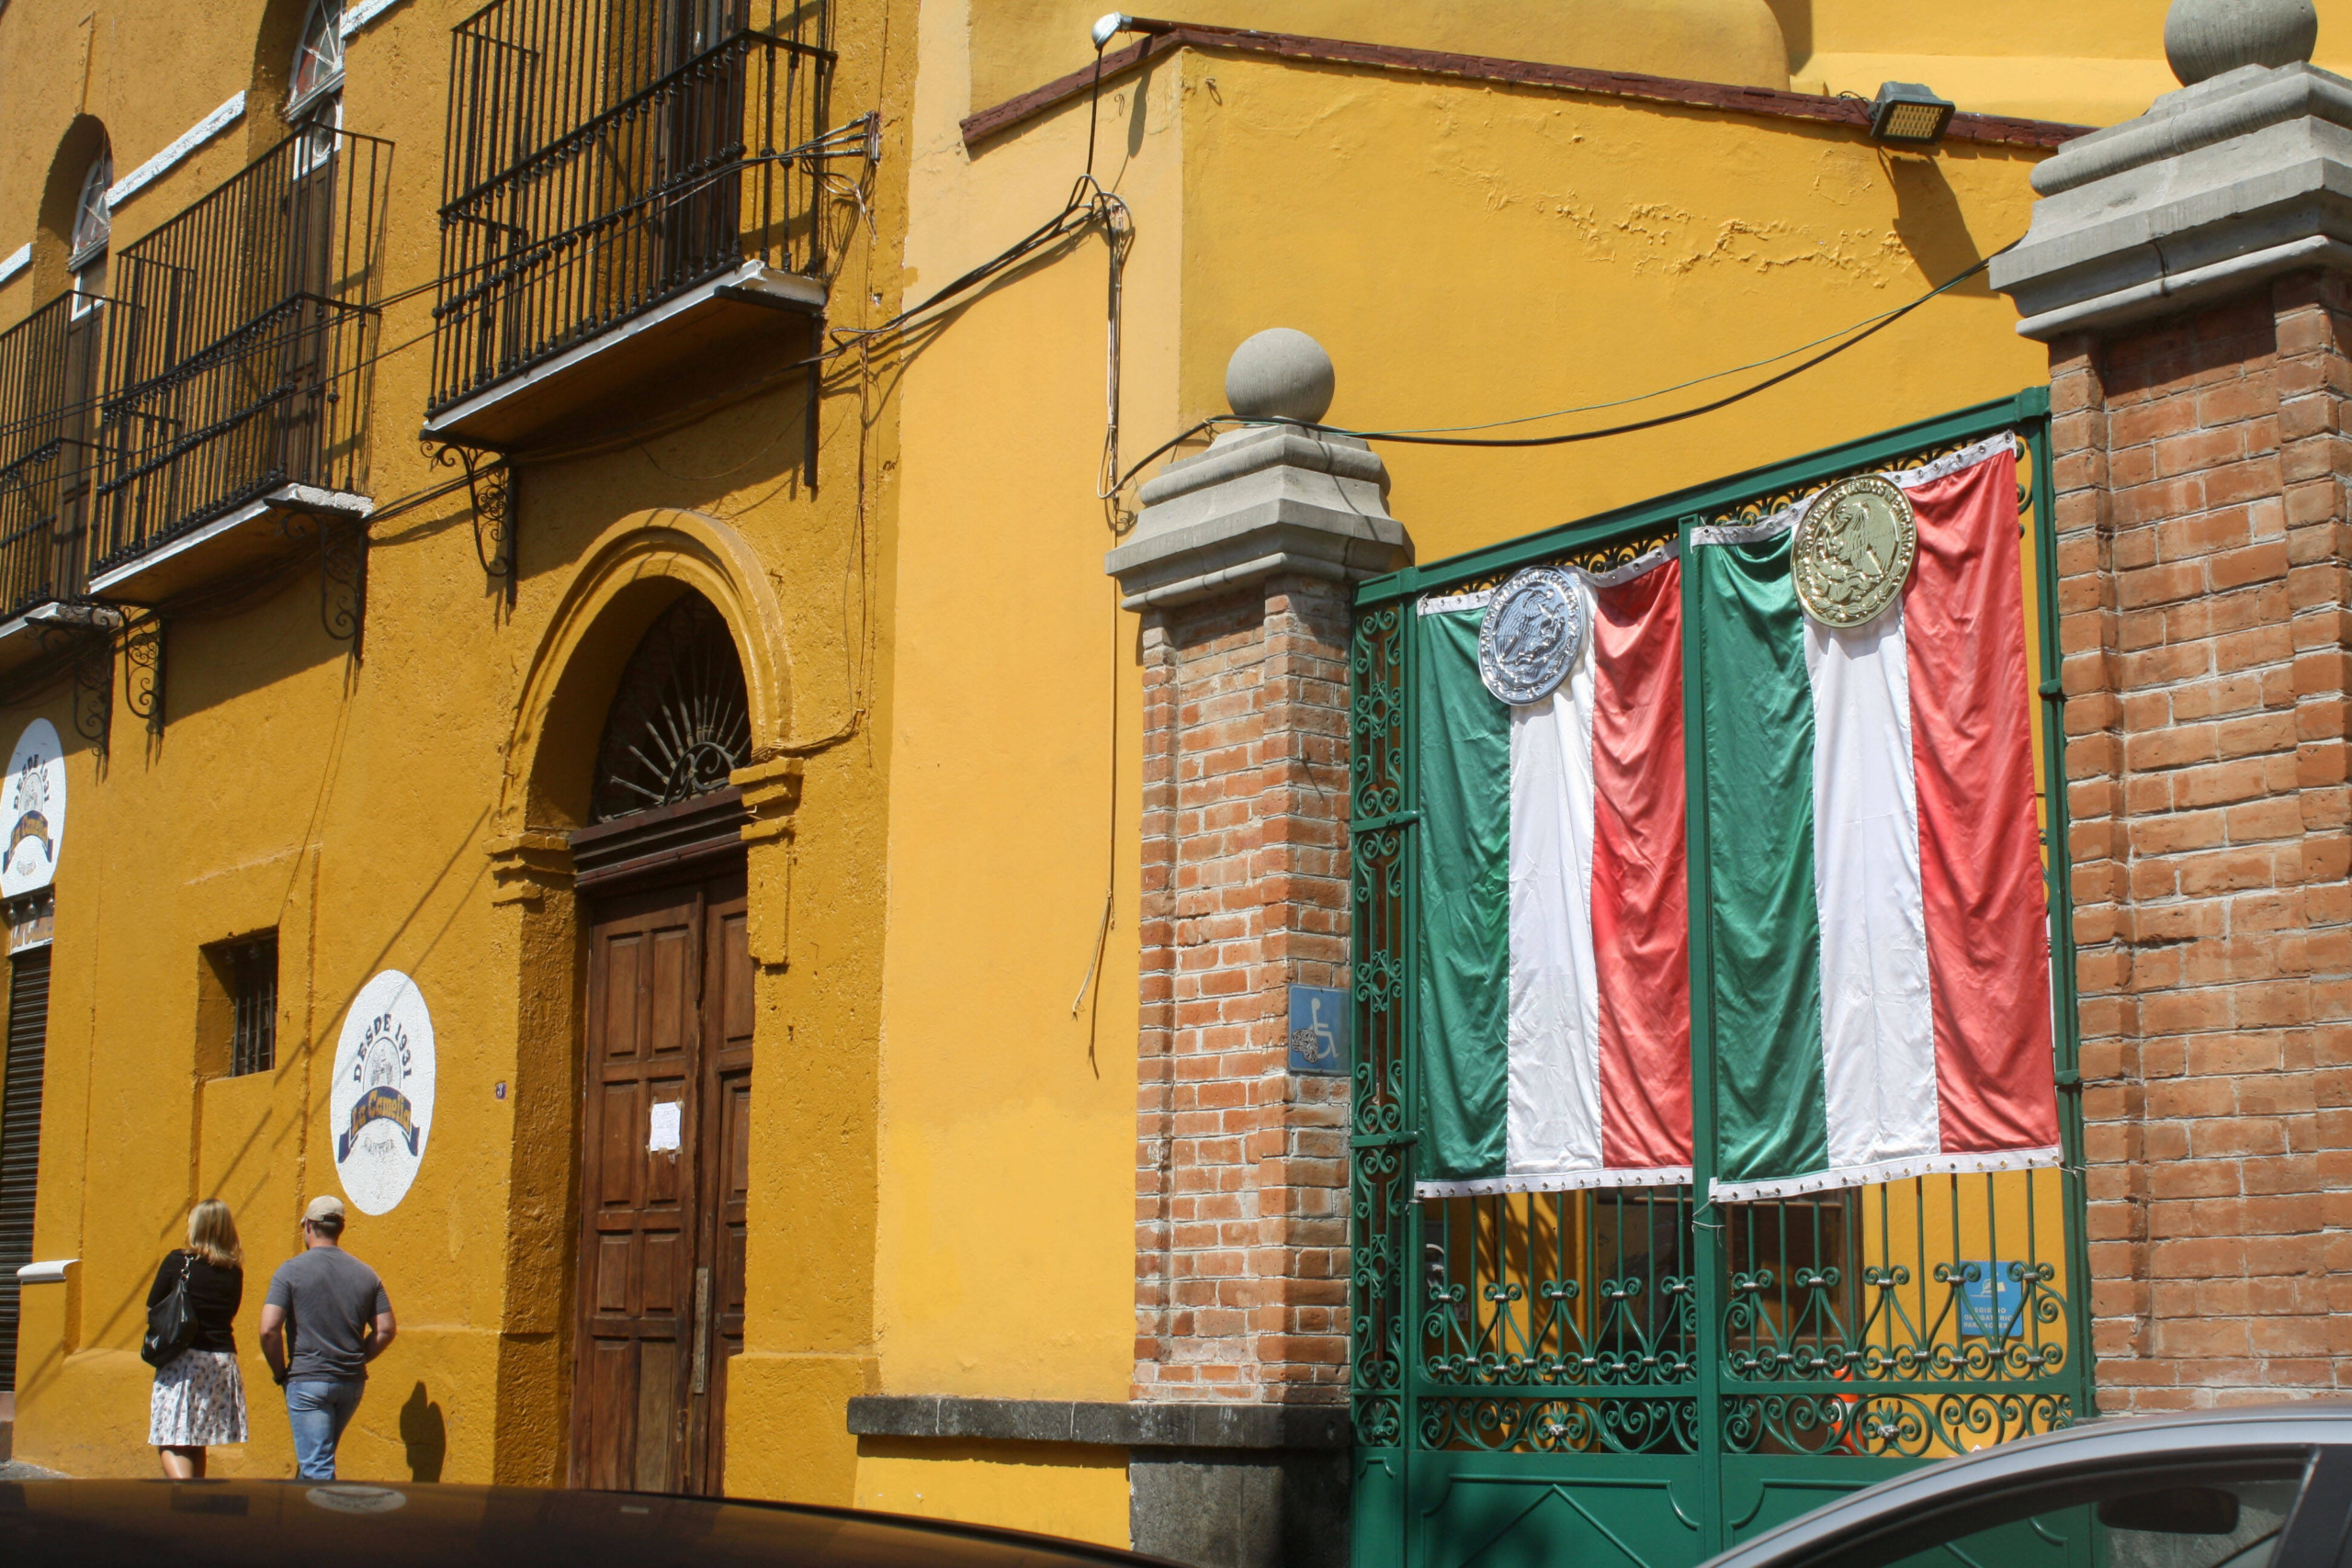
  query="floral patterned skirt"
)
[{"x": 200, "y": 1400}]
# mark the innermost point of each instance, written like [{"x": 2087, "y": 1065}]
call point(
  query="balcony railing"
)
[
  {"x": 606, "y": 155},
  {"x": 237, "y": 345},
  {"x": 46, "y": 364}
]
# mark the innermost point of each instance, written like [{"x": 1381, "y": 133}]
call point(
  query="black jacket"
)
[{"x": 213, "y": 1294}]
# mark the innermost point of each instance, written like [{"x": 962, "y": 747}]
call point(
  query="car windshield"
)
[
  {"x": 2175, "y": 1516},
  {"x": 2246, "y": 1542}
]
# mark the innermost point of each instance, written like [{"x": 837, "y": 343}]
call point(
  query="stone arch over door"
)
[{"x": 637, "y": 569}]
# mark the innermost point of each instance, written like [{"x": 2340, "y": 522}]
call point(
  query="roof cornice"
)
[{"x": 1994, "y": 129}]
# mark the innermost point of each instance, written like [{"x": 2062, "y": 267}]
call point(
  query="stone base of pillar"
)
[
  {"x": 1240, "y": 1508},
  {"x": 1213, "y": 1485}
]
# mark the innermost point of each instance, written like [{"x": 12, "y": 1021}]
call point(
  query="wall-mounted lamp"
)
[
  {"x": 1114, "y": 23},
  {"x": 1907, "y": 115}
]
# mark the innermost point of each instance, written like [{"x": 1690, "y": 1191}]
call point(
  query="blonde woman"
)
[{"x": 200, "y": 1399}]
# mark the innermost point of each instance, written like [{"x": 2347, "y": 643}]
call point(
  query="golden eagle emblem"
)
[{"x": 1853, "y": 551}]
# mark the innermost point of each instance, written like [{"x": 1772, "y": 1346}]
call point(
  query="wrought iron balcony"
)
[
  {"x": 47, "y": 465},
  {"x": 235, "y": 389},
  {"x": 629, "y": 183}
]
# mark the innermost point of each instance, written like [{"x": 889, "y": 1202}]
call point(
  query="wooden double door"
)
[{"x": 665, "y": 1124}]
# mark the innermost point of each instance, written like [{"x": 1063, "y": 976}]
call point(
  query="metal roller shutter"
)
[{"x": 21, "y": 1136}]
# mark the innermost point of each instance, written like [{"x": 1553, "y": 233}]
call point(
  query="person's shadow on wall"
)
[{"x": 426, "y": 1435}]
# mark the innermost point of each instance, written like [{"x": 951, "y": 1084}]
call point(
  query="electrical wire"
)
[
  {"x": 1790, "y": 352},
  {"x": 1845, "y": 338},
  {"x": 1871, "y": 330}
]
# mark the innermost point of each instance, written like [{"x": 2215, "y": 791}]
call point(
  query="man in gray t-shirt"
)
[{"x": 334, "y": 1308}]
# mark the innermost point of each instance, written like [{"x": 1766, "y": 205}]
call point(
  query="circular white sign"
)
[
  {"x": 380, "y": 1112},
  {"x": 33, "y": 807}
]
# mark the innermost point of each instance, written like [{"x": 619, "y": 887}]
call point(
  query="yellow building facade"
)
[{"x": 372, "y": 726}]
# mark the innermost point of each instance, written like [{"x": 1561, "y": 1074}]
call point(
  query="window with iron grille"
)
[
  {"x": 606, "y": 155},
  {"x": 47, "y": 458},
  {"x": 235, "y": 332},
  {"x": 250, "y": 971}
]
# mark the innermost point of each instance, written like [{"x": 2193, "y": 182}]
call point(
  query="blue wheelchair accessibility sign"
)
[{"x": 1318, "y": 1030}]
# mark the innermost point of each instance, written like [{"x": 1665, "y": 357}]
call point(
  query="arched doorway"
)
[{"x": 665, "y": 1111}]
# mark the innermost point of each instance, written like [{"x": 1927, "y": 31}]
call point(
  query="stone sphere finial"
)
[
  {"x": 2205, "y": 38},
  {"x": 1281, "y": 373}
]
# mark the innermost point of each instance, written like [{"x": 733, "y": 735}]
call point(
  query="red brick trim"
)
[{"x": 1994, "y": 130}]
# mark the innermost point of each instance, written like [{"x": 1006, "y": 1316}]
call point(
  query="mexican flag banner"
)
[
  {"x": 1875, "y": 955},
  {"x": 1554, "y": 1003},
  {"x": 1879, "y": 950}
]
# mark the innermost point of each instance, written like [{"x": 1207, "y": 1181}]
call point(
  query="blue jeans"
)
[{"x": 319, "y": 1409}]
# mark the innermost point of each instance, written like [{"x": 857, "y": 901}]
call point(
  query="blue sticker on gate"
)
[{"x": 1992, "y": 1304}]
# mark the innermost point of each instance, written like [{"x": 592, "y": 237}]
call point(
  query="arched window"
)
[
  {"x": 680, "y": 721},
  {"x": 92, "y": 220},
  {"x": 316, "y": 91},
  {"x": 314, "y": 96}
]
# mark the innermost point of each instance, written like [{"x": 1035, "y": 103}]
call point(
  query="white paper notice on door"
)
[{"x": 664, "y": 1139}]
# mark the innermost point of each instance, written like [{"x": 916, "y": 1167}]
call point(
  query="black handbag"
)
[{"x": 171, "y": 1323}]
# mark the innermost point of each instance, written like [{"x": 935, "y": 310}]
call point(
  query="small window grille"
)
[{"x": 253, "y": 992}]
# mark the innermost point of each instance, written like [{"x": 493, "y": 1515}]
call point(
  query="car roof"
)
[
  {"x": 2305, "y": 1424},
  {"x": 283, "y": 1524}
]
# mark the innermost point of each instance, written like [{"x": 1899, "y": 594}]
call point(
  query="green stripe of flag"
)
[
  {"x": 1771, "y": 1099},
  {"x": 1463, "y": 1004}
]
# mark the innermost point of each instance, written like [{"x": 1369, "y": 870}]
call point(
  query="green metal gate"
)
[{"x": 1635, "y": 1377}]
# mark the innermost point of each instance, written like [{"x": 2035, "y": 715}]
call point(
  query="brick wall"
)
[
  {"x": 1241, "y": 1169},
  {"x": 2202, "y": 542}
]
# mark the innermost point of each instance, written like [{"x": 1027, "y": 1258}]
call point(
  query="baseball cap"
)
[{"x": 323, "y": 1208}]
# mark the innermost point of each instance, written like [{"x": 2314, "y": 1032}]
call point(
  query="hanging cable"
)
[
  {"x": 1847, "y": 338},
  {"x": 1867, "y": 332},
  {"x": 1119, "y": 228}
]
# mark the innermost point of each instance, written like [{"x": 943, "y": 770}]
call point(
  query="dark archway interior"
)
[{"x": 681, "y": 720}]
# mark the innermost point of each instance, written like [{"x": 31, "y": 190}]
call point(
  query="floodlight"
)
[{"x": 1908, "y": 115}]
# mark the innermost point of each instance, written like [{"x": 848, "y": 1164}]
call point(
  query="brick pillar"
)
[
  {"x": 1244, "y": 562},
  {"x": 2202, "y": 541},
  {"x": 2183, "y": 269},
  {"x": 1242, "y": 1165}
]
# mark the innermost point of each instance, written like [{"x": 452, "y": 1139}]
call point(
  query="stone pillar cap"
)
[
  {"x": 2220, "y": 186},
  {"x": 2204, "y": 39},
  {"x": 1280, "y": 373},
  {"x": 1265, "y": 498},
  {"x": 1262, "y": 501}
]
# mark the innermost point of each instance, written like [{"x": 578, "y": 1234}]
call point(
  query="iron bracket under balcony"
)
[
  {"x": 50, "y": 628},
  {"x": 728, "y": 333},
  {"x": 243, "y": 544}
]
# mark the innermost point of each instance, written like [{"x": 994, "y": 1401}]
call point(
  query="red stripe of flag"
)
[
  {"x": 1979, "y": 859},
  {"x": 1641, "y": 926}
]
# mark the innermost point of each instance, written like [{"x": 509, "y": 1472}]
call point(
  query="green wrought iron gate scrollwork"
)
[{"x": 1636, "y": 1376}]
